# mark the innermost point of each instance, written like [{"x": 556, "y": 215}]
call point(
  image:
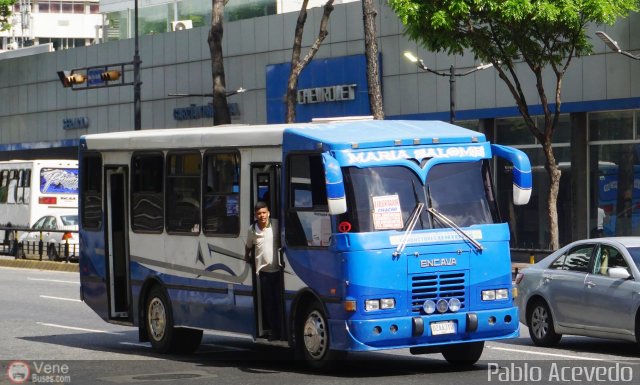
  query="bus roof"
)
[{"x": 338, "y": 135}]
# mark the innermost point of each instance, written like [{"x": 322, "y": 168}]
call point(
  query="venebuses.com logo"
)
[{"x": 38, "y": 372}]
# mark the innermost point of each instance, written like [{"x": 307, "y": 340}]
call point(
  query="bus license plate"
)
[{"x": 446, "y": 327}]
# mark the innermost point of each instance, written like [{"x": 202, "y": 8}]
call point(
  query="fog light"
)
[
  {"x": 371, "y": 304},
  {"x": 442, "y": 305},
  {"x": 488, "y": 295},
  {"x": 429, "y": 306},
  {"x": 502, "y": 294},
  {"x": 387, "y": 303},
  {"x": 454, "y": 304}
]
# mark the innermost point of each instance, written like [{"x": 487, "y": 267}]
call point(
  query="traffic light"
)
[
  {"x": 110, "y": 75},
  {"x": 69, "y": 79}
]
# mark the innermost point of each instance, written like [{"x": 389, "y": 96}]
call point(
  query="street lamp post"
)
[
  {"x": 452, "y": 74},
  {"x": 613, "y": 45},
  {"x": 137, "y": 105}
]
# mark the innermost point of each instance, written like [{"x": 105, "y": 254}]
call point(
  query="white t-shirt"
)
[{"x": 263, "y": 241}]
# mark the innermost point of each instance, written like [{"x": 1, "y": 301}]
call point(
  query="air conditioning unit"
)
[{"x": 181, "y": 24}]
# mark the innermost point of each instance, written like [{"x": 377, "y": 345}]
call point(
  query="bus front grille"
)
[{"x": 436, "y": 286}]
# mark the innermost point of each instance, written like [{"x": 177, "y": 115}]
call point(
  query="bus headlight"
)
[
  {"x": 429, "y": 306},
  {"x": 492, "y": 295},
  {"x": 488, "y": 295},
  {"x": 387, "y": 303},
  {"x": 379, "y": 304},
  {"x": 454, "y": 304},
  {"x": 371, "y": 304},
  {"x": 502, "y": 294},
  {"x": 442, "y": 305}
]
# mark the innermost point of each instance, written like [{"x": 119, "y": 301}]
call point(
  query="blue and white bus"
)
[{"x": 389, "y": 235}]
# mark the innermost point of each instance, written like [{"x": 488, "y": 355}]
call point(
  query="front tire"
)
[
  {"x": 463, "y": 355},
  {"x": 540, "y": 322},
  {"x": 313, "y": 340}
]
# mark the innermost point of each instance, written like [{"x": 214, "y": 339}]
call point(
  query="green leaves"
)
[
  {"x": 5, "y": 13},
  {"x": 540, "y": 31}
]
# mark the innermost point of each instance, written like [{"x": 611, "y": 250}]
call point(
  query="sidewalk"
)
[{"x": 9, "y": 261}]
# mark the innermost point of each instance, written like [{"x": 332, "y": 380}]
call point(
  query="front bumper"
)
[{"x": 415, "y": 331}]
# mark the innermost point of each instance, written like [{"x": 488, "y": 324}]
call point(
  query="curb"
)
[{"x": 40, "y": 265}]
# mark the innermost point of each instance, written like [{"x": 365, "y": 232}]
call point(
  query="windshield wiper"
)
[
  {"x": 413, "y": 219},
  {"x": 451, "y": 224}
]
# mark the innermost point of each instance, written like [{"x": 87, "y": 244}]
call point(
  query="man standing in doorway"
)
[{"x": 261, "y": 238}]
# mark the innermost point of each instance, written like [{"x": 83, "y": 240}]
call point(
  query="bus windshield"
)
[{"x": 383, "y": 198}]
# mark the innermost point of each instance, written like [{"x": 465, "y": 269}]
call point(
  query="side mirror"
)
[
  {"x": 619, "y": 273},
  {"x": 336, "y": 197},
  {"x": 522, "y": 180}
]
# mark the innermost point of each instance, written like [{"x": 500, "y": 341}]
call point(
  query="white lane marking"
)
[
  {"x": 76, "y": 328},
  {"x": 52, "y": 280},
  {"x": 60, "y": 298},
  {"x": 568, "y": 356},
  {"x": 143, "y": 344}
]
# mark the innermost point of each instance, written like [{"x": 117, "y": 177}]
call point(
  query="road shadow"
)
[{"x": 246, "y": 356}]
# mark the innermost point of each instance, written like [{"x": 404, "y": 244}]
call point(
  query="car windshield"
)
[
  {"x": 383, "y": 198},
  {"x": 69, "y": 220},
  {"x": 635, "y": 254}
]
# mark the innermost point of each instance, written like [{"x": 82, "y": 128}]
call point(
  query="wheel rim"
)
[
  {"x": 315, "y": 335},
  {"x": 540, "y": 322},
  {"x": 157, "y": 317}
]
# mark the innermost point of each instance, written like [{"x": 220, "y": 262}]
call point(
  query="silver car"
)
[{"x": 589, "y": 287}]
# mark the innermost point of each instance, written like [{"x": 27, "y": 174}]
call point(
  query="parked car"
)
[
  {"x": 589, "y": 287},
  {"x": 53, "y": 241}
]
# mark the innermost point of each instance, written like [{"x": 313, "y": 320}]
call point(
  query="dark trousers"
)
[{"x": 270, "y": 291}]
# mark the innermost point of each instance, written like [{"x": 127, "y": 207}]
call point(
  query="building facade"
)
[
  {"x": 596, "y": 143},
  {"x": 63, "y": 23}
]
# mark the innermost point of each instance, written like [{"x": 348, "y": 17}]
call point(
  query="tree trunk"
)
[
  {"x": 369, "y": 14},
  {"x": 221, "y": 114},
  {"x": 552, "y": 199},
  {"x": 297, "y": 65}
]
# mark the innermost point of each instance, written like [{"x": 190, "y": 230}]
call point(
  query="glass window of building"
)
[
  {"x": 529, "y": 224},
  {"x": 614, "y": 174}
]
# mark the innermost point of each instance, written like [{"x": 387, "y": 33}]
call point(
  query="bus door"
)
[
  {"x": 265, "y": 179},
  {"x": 117, "y": 242}
]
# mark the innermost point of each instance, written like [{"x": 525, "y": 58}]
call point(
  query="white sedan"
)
[{"x": 54, "y": 242}]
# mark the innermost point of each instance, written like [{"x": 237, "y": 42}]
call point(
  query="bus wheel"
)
[
  {"x": 312, "y": 338},
  {"x": 463, "y": 355},
  {"x": 160, "y": 321}
]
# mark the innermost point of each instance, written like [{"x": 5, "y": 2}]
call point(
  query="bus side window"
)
[
  {"x": 147, "y": 193},
  {"x": 308, "y": 222},
  {"x": 4, "y": 185},
  {"x": 12, "y": 190},
  {"x": 26, "y": 195},
  {"x": 183, "y": 192},
  {"x": 20, "y": 188},
  {"x": 221, "y": 195},
  {"x": 91, "y": 199}
]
